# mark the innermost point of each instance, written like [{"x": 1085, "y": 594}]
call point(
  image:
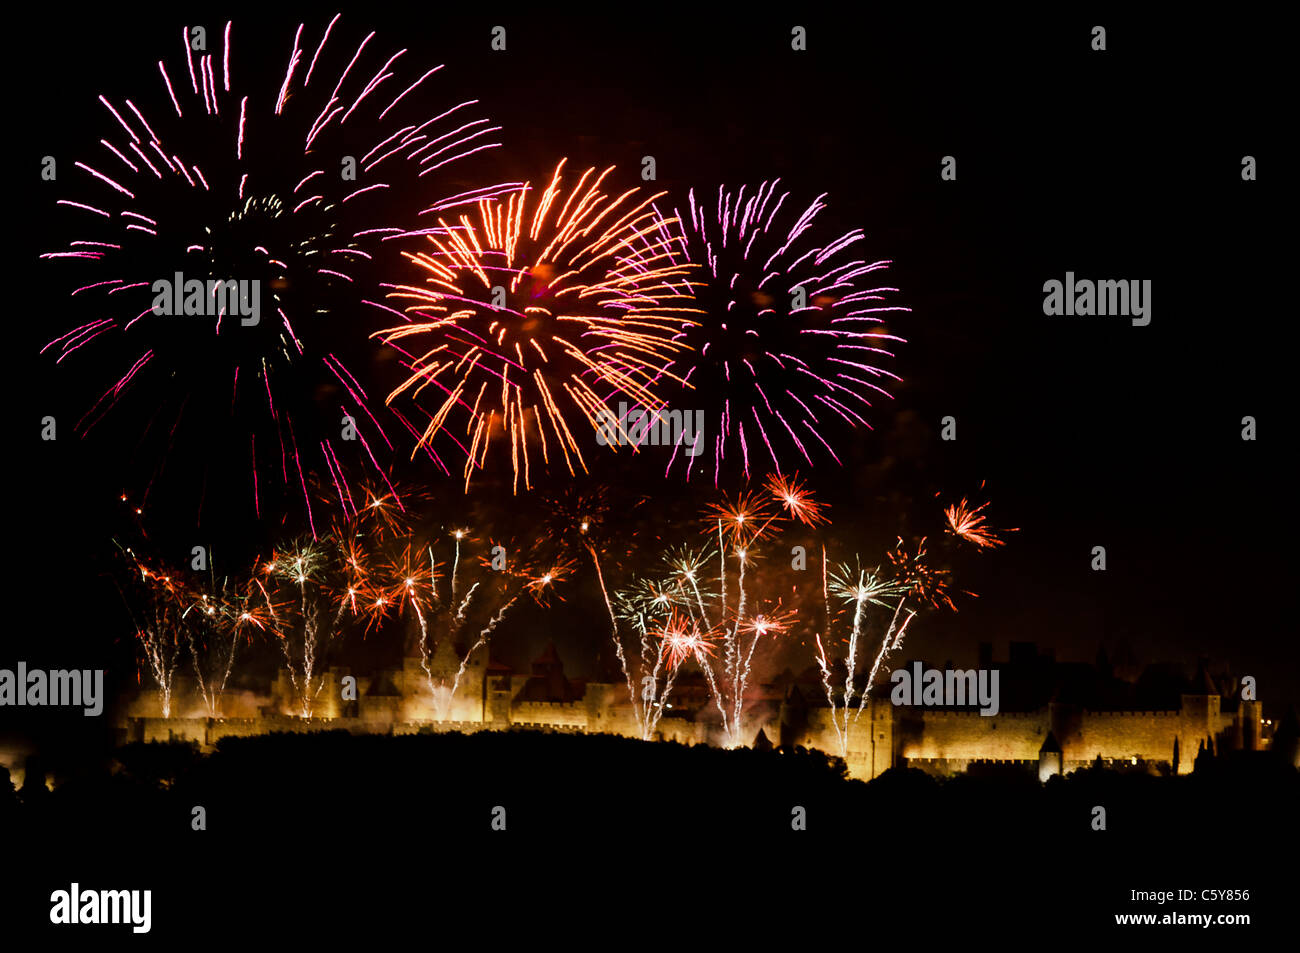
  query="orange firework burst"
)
[
  {"x": 408, "y": 575},
  {"x": 164, "y": 584},
  {"x": 796, "y": 499},
  {"x": 535, "y": 313},
  {"x": 384, "y": 513},
  {"x": 743, "y": 519},
  {"x": 541, "y": 585},
  {"x": 772, "y": 623},
  {"x": 921, "y": 581},
  {"x": 682, "y": 638},
  {"x": 971, "y": 525},
  {"x": 255, "y": 609}
]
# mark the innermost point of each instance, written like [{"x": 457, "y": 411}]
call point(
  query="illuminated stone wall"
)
[{"x": 936, "y": 740}]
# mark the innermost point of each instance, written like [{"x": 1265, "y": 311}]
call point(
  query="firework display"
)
[
  {"x": 156, "y": 600},
  {"x": 681, "y": 611},
  {"x": 223, "y": 233},
  {"x": 535, "y": 312},
  {"x": 382, "y": 566},
  {"x": 520, "y": 314},
  {"x": 287, "y": 282},
  {"x": 789, "y": 344},
  {"x": 255, "y": 256},
  {"x": 459, "y": 603},
  {"x": 907, "y": 582},
  {"x": 220, "y": 622},
  {"x": 711, "y": 606},
  {"x": 512, "y": 441}
]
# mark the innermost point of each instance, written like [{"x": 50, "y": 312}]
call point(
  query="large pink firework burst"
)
[
  {"x": 790, "y": 336},
  {"x": 289, "y": 180}
]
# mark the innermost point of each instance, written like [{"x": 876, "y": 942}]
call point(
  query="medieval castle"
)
[{"x": 1053, "y": 718}]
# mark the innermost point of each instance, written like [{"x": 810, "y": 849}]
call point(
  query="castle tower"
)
[
  {"x": 792, "y": 719},
  {"x": 1065, "y": 724},
  {"x": 1204, "y": 757},
  {"x": 1248, "y": 718},
  {"x": 548, "y": 671},
  {"x": 496, "y": 692},
  {"x": 880, "y": 714},
  {"x": 470, "y": 702},
  {"x": 1286, "y": 740},
  {"x": 1102, "y": 663},
  {"x": 1199, "y": 720},
  {"x": 500, "y": 692},
  {"x": 1051, "y": 760}
]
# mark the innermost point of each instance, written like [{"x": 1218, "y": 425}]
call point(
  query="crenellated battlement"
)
[{"x": 939, "y": 740}]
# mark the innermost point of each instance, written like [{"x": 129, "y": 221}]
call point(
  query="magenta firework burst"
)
[
  {"x": 790, "y": 337},
  {"x": 224, "y": 231}
]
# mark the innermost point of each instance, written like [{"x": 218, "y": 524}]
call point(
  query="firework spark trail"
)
[
  {"x": 668, "y": 634},
  {"x": 162, "y": 655},
  {"x": 534, "y": 314},
  {"x": 312, "y": 567},
  {"x": 465, "y": 603},
  {"x": 729, "y": 645},
  {"x": 792, "y": 328},
  {"x": 412, "y": 578},
  {"x": 641, "y": 602},
  {"x": 371, "y": 566},
  {"x": 483, "y": 636},
  {"x": 737, "y": 660},
  {"x": 340, "y": 573},
  {"x": 160, "y": 212},
  {"x": 426, "y": 652},
  {"x": 506, "y": 596},
  {"x": 633, "y": 695},
  {"x": 157, "y": 623},
  {"x": 911, "y": 577},
  {"x": 739, "y": 525},
  {"x": 674, "y": 621},
  {"x": 413, "y": 583},
  {"x": 735, "y": 652},
  {"x": 893, "y": 639},
  {"x": 859, "y": 588},
  {"x": 455, "y": 564},
  {"x": 676, "y": 644},
  {"x": 217, "y": 622}
]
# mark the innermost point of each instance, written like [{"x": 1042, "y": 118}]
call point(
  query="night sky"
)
[{"x": 1088, "y": 431}]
